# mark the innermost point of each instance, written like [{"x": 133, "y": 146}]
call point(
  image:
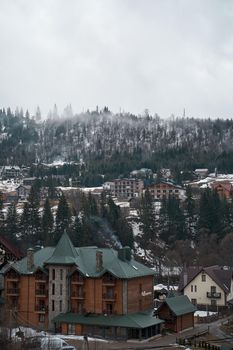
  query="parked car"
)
[{"x": 47, "y": 343}]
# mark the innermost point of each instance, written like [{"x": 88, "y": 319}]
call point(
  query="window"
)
[
  {"x": 213, "y": 302},
  {"x": 195, "y": 288},
  {"x": 53, "y": 274},
  {"x": 61, "y": 274},
  {"x": 191, "y": 288},
  {"x": 213, "y": 289},
  {"x": 194, "y": 301},
  {"x": 41, "y": 318},
  {"x": 203, "y": 278},
  {"x": 109, "y": 308},
  {"x": 60, "y": 305},
  {"x": 60, "y": 289},
  {"x": 53, "y": 305},
  {"x": 53, "y": 288},
  {"x": 71, "y": 328}
]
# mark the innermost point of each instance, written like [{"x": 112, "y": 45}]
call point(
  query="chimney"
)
[
  {"x": 124, "y": 254},
  {"x": 30, "y": 259},
  {"x": 99, "y": 261}
]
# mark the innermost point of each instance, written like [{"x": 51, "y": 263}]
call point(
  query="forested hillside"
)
[{"x": 114, "y": 144}]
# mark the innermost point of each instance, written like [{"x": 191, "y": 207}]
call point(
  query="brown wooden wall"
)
[
  {"x": 93, "y": 301},
  {"x": 136, "y": 301},
  {"x": 175, "y": 323}
]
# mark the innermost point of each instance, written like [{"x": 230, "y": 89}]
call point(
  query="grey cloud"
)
[{"x": 135, "y": 54}]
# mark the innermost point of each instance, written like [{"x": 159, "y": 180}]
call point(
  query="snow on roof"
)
[
  {"x": 163, "y": 286},
  {"x": 8, "y": 186},
  {"x": 122, "y": 204},
  {"x": 91, "y": 189}
]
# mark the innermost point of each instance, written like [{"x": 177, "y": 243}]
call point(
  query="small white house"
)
[{"x": 211, "y": 286}]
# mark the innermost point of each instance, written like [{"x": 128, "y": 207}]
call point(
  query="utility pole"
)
[{"x": 85, "y": 343}]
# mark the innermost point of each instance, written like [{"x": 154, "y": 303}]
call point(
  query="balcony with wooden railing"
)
[
  {"x": 213, "y": 295},
  {"x": 40, "y": 277},
  {"x": 41, "y": 308},
  {"x": 109, "y": 296},
  {"x": 77, "y": 279},
  {"x": 109, "y": 281},
  {"x": 12, "y": 291},
  {"x": 11, "y": 276},
  {"x": 76, "y": 294},
  {"x": 41, "y": 292}
]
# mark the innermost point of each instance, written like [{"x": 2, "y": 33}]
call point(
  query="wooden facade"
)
[
  {"x": 177, "y": 312},
  {"x": 36, "y": 296},
  {"x": 173, "y": 322}
]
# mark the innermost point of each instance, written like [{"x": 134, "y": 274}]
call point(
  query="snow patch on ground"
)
[
  {"x": 30, "y": 332},
  {"x": 200, "y": 313}
]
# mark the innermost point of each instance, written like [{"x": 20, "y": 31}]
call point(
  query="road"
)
[{"x": 165, "y": 341}]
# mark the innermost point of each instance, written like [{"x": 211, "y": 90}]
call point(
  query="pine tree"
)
[
  {"x": 190, "y": 213},
  {"x": 47, "y": 224},
  {"x": 113, "y": 212},
  {"x": 63, "y": 217},
  {"x": 76, "y": 232},
  {"x": 147, "y": 219},
  {"x": 25, "y": 223},
  {"x": 103, "y": 204},
  {"x": 1, "y": 214},
  {"x": 12, "y": 223},
  {"x": 35, "y": 221},
  {"x": 172, "y": 221},
  {"x": 125, "y": 233}
]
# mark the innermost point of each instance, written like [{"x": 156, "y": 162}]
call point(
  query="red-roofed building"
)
[
  {"x": 8, "y": 252},
  {"x": 223, "y": 188}
]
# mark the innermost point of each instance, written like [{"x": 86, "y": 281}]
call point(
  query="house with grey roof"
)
[
  {"x": 208, "y": 287},
  {"x": 87, "y": 290}
]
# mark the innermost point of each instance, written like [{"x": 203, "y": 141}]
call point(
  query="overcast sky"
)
[{"x": 164, "y": 55}]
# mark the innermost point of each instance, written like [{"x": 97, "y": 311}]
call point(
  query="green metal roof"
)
[
  {"x": 180, "y": 305},
  {"x": 137, "y": 320},
  {"x": 64, "y": 252},
  {"x": 85, "y": 260}
]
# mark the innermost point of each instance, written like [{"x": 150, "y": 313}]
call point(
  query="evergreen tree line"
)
[
  {"x": 192, "y": 232},
  {"x": 91, "y": 224},
  {"x": 117, "y": 143}
]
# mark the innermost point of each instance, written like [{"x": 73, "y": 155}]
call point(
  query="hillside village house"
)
[
  {"x": 23, "y": 191},
  {"x": 164, "y": 189},
  {"x": 98, "y": 292},
  {"x": 208, "y": 287},
  {"x": 201, "y": 173},
  {"x": 223, "y": 188},
  {"x": 11, "y": 172},
  {"x": 128, "y": 188}
]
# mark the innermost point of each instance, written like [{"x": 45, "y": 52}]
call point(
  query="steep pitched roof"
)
[
  {"x": 13, "y": 250},
  {"x": 218, "y": 274},
  {"x": 85, "y": 260},
  {"x": 64, "y": 252},
  {"x": 179, "y": 305}
]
